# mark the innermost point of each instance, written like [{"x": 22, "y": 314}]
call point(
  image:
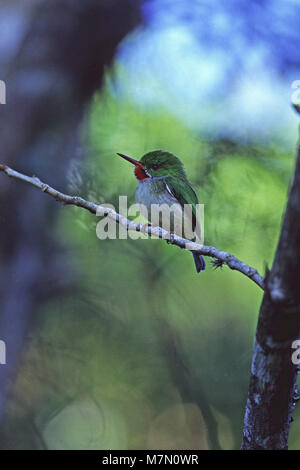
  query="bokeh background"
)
[{"x": 140, "y": 352}]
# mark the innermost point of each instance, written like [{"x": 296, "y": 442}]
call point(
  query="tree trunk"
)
[{"x": 272, "y": 390}]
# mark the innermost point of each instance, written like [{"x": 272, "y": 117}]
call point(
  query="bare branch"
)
[{"x": 231, "y": 261}]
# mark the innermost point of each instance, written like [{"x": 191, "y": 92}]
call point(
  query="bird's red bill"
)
[
  {"x": 131, "y": 160},
  {"x": 139, "y": 170}
]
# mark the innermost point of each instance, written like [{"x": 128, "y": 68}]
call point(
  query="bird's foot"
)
[{"x": 217, "y": 263}]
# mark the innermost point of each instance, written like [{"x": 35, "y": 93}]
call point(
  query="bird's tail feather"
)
[{"x": 199, "y": 262}]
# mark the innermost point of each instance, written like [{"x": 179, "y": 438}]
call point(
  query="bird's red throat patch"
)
[{"x": 140, "y": 173}]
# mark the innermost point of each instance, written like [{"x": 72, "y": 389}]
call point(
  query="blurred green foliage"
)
[{"x": 143, "y": 352}]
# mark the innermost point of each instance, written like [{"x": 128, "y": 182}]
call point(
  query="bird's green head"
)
[{"x": 157, "y": 164}]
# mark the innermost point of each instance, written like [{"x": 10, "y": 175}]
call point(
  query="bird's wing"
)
[{"x": 184, "y": 194}]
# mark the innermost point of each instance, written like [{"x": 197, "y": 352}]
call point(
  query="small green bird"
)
[{"x": 162, "y": 180}]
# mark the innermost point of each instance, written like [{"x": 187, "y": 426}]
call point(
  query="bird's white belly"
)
[{"x": 161, "y": 208}]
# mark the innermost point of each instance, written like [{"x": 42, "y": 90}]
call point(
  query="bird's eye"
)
[{"x": 155, "y": 167}]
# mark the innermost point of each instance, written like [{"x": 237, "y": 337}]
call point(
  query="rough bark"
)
[
  {"x": 272, "y": 391},
  {"x": 52, "y": 59}
]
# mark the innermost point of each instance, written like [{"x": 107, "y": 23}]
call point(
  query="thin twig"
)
[{"x": 231, "y": 261}]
